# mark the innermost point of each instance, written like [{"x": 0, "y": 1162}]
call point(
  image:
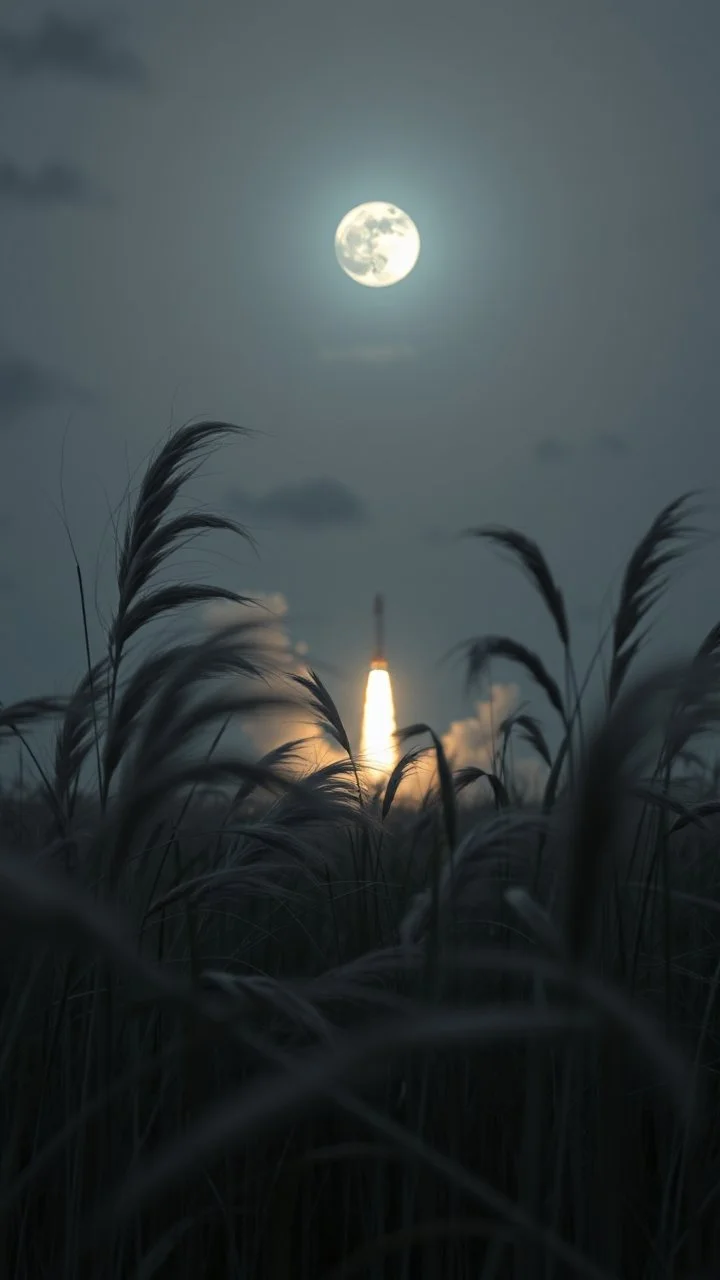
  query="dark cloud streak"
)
[
  {"x": 550, "y": 449},
  {"x": 53, "y": 183},
  {"x": 308, "y": 504},
  {"x": 70, "y": 46},
  {"x": 25, "y": 384}
]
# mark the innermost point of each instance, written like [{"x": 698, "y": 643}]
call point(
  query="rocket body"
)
[{"x": 379, "y": 615}]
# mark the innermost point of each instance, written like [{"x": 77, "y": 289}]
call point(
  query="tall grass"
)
[{"x": 261, "y": 1023}]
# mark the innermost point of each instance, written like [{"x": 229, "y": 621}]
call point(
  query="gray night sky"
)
[{"x": 171, "y": 177}]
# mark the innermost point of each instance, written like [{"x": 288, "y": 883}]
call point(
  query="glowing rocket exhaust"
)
[{"x": 378, "y": 750}]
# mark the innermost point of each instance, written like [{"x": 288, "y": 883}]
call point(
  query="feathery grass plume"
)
[
  {"x": 463, "y": 778},
  {"x": 405, "y": 765},
  {"x": 643, "y": 583},
  {"x": 536, "y": 567},
  {"x": 605, "y": 782},
  {"x": 14, "y": 720},
  {"x": 262, "y": 842},
  {"x": 485, "y": 843},
  {"x": 135, "y": 804},
  {"x": 148, "y": 542},
  {"x": 139, "y": 688},
  {"x": 166, "y": 599},
  {"x": 480, "y": 653},
  {"x": 327, "y": 714},
  {"x": 447, "y": 790},
  {"x": 234, "y": 650},
  {"x": 27, "y": 712},
  {"x": 77, "y": 734},
  {"x": 322, "y": 804},
  {"x": 329, "y": 720},
  {"x": 531, "y": 733},
  {"x": 328, "y": 793},
  {"x": 155, "y": 768},
  {"x": 532, "y": 560},
  {"x": 288, "y": 753}
]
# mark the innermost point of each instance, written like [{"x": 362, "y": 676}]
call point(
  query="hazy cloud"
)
[
  {"x": 475, "y": 742},
  {"x": 364, "y": 353},
  {"x": 550, "y": 449},
  {"x": 81, "y": 47},
  {"x": 50, "y": 184},
  {"x": 26, "y": 384},
  {"x": 309, "y": 504}
]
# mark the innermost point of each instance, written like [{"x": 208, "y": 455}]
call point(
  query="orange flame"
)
[{"x": 378, "y": 748}]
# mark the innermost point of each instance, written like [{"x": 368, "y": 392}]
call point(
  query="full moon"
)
[{"x": 377, "y": 244}]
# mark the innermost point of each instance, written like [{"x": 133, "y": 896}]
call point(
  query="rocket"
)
[{"x": 379, "y": 615}]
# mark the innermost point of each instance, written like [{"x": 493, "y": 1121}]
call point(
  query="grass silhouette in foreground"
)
[{"x": 261, "y": 1023}]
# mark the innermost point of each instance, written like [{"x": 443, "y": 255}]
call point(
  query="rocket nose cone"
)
[{"x": 378, "y": 610}]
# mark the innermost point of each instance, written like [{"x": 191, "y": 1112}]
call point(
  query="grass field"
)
[{"x": 259, "y": 1023}]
